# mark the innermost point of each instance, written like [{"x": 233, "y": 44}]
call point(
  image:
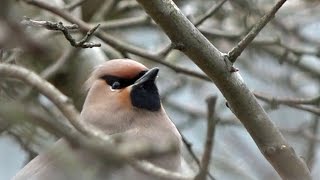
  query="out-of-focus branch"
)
[
  {"x": 13, "y": 35},
  {"x": 149, "y": 168},
  {"x": 104, "y": 10},
  {"x": 58, "y": 65},
  {"x": 267, "y": 137},
  {"x": 125, "y": 22},
  {"x": 286, "y": 53},
  {"x": 60, "y": 100},
  {"x": 287, "y": 100},
  {"x": 214, "y": 33},
  {"x": 211, "y": 124},
  {"x": 107, "y": 149},
  {"x": 197, "y": 22},
  {"x": 292, "y": 102},
  {"x": 115, "y": 43},
  {"x": 235, "y": 52},
  {"x": 25, "y": 146},
  {"x": 209, "y": 13},
  {"x": 311, "y": 151},
  {"x": 295, "y": 50},
  {"x": 74, "y": 4},
  {"x": 285, "y": 56},
  {"x": 304, "y": 132},
  {"x": 65, "y": 30},
  {"x": 126, "y": 5}
]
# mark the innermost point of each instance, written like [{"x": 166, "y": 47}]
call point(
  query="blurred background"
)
[{"x": 282, "y": 66}]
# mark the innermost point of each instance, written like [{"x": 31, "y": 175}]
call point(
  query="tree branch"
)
[
  {"x": 65, "y": 30},
  {"x": 295, "y": 103},
  {"x": 267, "y": 137},
  {"x": 209, "y": 13},
  {"x": 74, "y": 4},
  {"x": 241, "y": 46},
  {"x": 115, "y": 43},
  {"x": 211, "y": 124}
]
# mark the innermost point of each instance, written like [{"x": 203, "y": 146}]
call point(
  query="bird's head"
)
[{"x": 123, "y": 83}]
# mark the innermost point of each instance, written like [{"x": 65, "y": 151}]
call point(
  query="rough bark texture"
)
[{"x": 240, "y": 99}]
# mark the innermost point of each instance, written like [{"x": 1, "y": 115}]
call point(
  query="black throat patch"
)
[{"x": 146, "y": 96}]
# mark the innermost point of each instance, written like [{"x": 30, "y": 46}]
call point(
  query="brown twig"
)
[
  {"x": 209, "y": 13},
  {"x": 215, "y": 33},
  {"x": 292, "y": 102},
  {"x": 193, "y": 154},
  {"x": 235, "y": 52},
  {"x": 197, "y": 22},
  {"x": 297, "y": 49},
  {"x": 289, "y": 100},
  {"x": 211, "y": 124},
  {"x": 311, "y": 151},
  {"x": 104, "y": 10},
  {"x": 126, "y": 5},
  {"x": 65, "y": 30},
  {"x": 74, "y": 4},
  {"x": 58, "y": 65},
  {"x": 125, "y": 22},
  {"x": 284, "y": 56},
  {"x": 149, "y": 168}
]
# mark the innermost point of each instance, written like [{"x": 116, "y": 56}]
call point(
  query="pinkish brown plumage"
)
[{"x": 122, "y": 98}]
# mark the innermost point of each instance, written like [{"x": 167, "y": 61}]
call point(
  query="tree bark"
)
[{"x": 240, "y": 99}]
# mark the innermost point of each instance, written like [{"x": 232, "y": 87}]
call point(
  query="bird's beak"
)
[{"x": 150, "y": 75}]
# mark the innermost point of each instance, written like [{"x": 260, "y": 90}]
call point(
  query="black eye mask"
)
[{"x": 118, "y": 83}]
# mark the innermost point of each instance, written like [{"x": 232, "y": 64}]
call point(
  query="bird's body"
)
[{"x": 122, "y": 98}]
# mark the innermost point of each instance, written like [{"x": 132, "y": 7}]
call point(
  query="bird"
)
[{"x": 122, "y": 98}]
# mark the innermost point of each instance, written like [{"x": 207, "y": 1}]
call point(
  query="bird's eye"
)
[{"x": 116, "y": 85}]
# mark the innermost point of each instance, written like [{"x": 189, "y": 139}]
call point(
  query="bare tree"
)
[{"x": 259, "y": 58}]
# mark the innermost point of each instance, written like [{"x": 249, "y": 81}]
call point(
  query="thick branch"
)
[{"x": 267, "y": 137}]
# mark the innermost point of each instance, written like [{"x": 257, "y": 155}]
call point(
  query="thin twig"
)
[
  {"x": 74, "y": 4},
  {"x": 295, "y": 103},
  {"x": 209, "y": 13},
  {"x": 25, "y": 146},
  {"x": 151, "y": 169},
  {"x": 211, "y": 124},
  {"x": 65, "y": 30},
  {"x": 235, "y": 52},
  {"x": 104, "y": 10},
  {"x": 290, "y": 100},
  {"x": 58, "y": 65},
  {"x": 311, "y": 151},
  {"x": 190, "y": 150},
  {"x": 297, "y": 49},
  {"x": 199, "y": 20},
  {"x": 125, "y": 22}
]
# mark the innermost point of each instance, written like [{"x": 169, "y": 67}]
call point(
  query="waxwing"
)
[{"x": 122, "y": 98}]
